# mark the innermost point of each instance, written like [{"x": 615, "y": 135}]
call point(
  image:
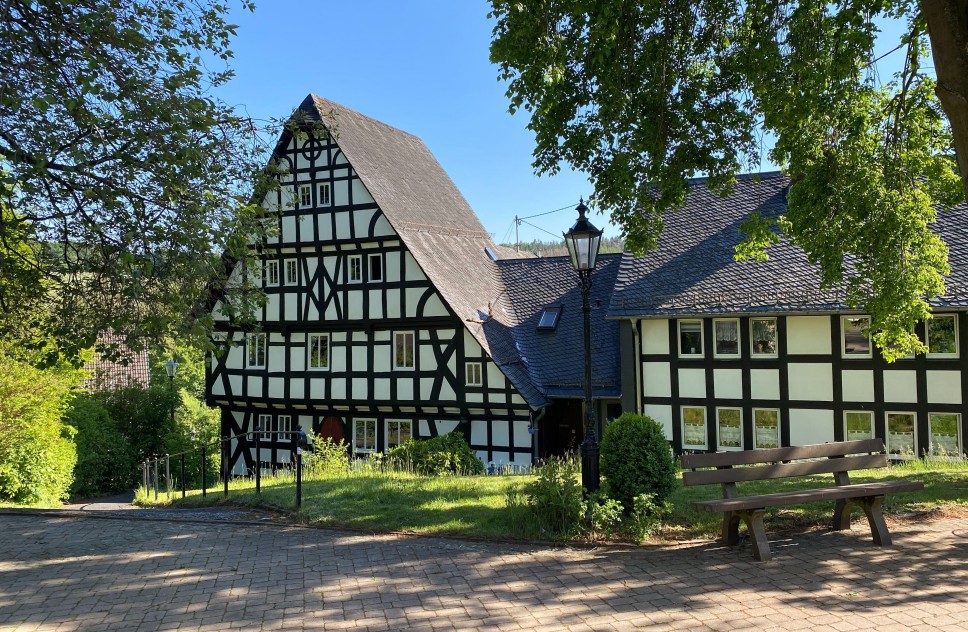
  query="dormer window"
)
[{"x": 549, "y": 318}]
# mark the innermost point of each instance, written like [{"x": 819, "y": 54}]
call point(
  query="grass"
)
[{"x": 476, "y": 506}]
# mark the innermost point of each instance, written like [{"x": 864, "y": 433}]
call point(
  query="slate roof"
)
[
  {"x": 130, "y": 369},
  {"x": 554, "y": 359},
  {"x": 693, "y": 270}
]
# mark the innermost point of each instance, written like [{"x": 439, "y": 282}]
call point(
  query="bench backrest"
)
[{"x": 842, "y": 456}]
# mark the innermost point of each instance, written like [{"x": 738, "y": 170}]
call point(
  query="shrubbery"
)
[
  {"x": 555, "y": 496},
  {"x": 449, "y": 453},
  {"x": 106, "y": 460},
  {"x": 636, "y": 459},
  {"x": 328, "y": 457}
]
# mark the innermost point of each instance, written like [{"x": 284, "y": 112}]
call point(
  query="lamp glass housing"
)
[
  {"x": 583, "y": 241},
  {"x": 171, "y": 367}
]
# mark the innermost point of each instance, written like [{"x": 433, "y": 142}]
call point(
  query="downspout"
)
[
  {"x": 534, "y": 435},
  {"x": 638, "y": 365}
]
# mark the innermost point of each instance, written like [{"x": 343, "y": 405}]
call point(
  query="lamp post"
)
[
  {"x": 171, "y": 367},
  {"x": 583, "y": 241}
]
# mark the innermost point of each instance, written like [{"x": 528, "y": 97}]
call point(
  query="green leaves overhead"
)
[{"x": 644, "y": 95}]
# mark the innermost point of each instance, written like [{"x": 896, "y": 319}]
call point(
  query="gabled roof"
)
[{"x": 693, "y": 270}]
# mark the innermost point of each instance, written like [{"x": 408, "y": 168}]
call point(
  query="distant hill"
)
[{"x": 558, "y": 249}]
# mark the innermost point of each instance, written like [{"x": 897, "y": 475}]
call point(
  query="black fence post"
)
[
  {"x": 258, "y": 463},
  {"x": 225, "y": 465},
  {"x": 168, "y": 476},
  {"x": 298, "y": 478},
  {"x": 156, "y": 479},
  {"x": 183, "y": 474},
  {"x": 204, "y": 468}
]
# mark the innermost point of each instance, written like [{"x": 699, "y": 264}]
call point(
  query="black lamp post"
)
[
  {"x": 583, "y": 240},
  {"x": 171, "y": 367}
]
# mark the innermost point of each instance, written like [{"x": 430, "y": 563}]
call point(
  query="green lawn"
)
[{"x": 476, "y": 506}]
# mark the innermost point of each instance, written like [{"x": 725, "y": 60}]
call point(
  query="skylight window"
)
[{"x": 549, "y": 317}]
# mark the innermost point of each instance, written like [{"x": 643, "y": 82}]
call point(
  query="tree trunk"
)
[{"x": 947, "y": 22}]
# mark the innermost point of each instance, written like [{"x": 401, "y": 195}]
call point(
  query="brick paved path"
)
[{"x": 92, "y": 573}]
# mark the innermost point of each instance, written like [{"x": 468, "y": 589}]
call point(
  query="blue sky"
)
[{"x": 421, "y": 66}]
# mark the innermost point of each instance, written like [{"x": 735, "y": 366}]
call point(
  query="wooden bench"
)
[{"x": 827, "y": 458}]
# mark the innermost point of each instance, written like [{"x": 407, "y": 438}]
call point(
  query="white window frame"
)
[
  {"x": 870, "y": 415},
  {"x": 387, "y": 432},
  {"x": 705, "y": 429},
  {"x": 350, "y": 259},
  {"x": 474, "y": 370},
  {"x": 309, "y": 352},
  {"x": 776, "y": 343},
  {"x": 887, "y": 432},
  {"x": 325, "y": 194},
  {"x": 366, "y": 449},
  {"x": 843, "y": 338},
  {"x": 756, "y": 443},
  {"x": 255, "y": 342},
  {"x": 927, "y": 336},
  {"x": 679, "y": 323},
  {"x": 739, "y": 338},
  {"x": 291, "y": 265},
  {"x": 397, "y": 366},
  {"x": 955, "y": 451},
  {"x": 378, "y": 256},
  {"x": 271, "y": 272},
  {"x": 288, "y": 429},
  {"x": 305, "y": 195},
  {"x": 719, "y": 428},
  {"x": 264, "y": 423}
]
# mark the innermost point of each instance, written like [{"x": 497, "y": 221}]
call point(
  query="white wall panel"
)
[
  {"x": 297, "y": 359},
  {"x": 423, "y": 428},
  {"x": 446, "y": 426},
  {"x": 381, "y": 358},
  {"x": 858, "y": 386},
  {"x": 662, "y": 413},
  {"x": 692, "y": 382},
  {"x": 277, "y": 387},
  {"x": 359, "y": 359},
  {"x": 655, "y": 336},
  {"x": 235, "y": 383},
  {"x": 297, "y": 389},
  {"x": 272, "y": 307},
  {"x": 495, "y": 379},
  {"x": 288, "y": 228},
  {"x": 435, "y": 307},
  {"x": 337, "y": 388},
  {"x": 500, "y": 458},
  {"x": 358, "y": 389},
  {"x": 765, "y": 383},
  {"x": 277, "y": 359},
  {"x": 292, "y": 307},
  {"x": 479, "y": 433},
  {"x": 405, "y": 388},
  {"x": 253, "y": 385},
  {"x": 413, "y": 295},
  {"x": 412, "y": 271},
  {"x": 342, "y": 224},
  {"x": 728, "y": 383},
  {"x": 383, "y": 228},
  {"x": 354, "y": 304},
  {"x": 341, "y": 193},
  {"x": 360, "y": 194},
  {"x": 808, "y": 427},
  {"x": 217, "y": 388},
  {"x": 811, "y": 381},
  {"x": 376, "y": 304},
  {"x": 522, "y": 459},
  {"x": 381, "y": 388},
  {"x": 808, "y": 335},
  {"x": 521, "y": 435},
  {"x": 500, "y": 433},
  {"x": 391, "y": 267},
  {"x": 900, "y": 387},
  {"x": 317, "y": 388},
  {"x": 426, "y": 388},
  {"x": 337, "y": 358},
  {"x": 944, "y": 387},
  {"x": 324, "y": 228},
  {"x": 656, "y": 379}
]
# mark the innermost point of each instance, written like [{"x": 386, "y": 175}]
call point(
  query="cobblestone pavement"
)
[{"x": 94, "y": 571}]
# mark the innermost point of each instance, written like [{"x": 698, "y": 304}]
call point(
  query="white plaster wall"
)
[
  {"x": 662, "y": 413},
  {"x": 337, "y": 388},
  {"x": 500, "y": 433},
  {"x": 808, "y": 427},
  {"x": 478, "y": 433},
  {"x": 277, "y": 387},
  {"x": 808, "y": 335},
  {"x": 728, "y": 383},
  {"x": 342, "y": 222},
  {"x": 446, "y": 426},
  {"x": 655, "y": 336},
  {"x": 360, "y": 194},
  {"x": 811, "y": 381},
  {"x": 692, "y": 382},
  {"x": 521, "y": 435},
  {"x": 858, "y": 386},
  {"x": 944, "y": 387},
  {"x": 381, "y": 388},
  {"x": 900, "y": 387},
  {"x": 765, "y": 383},
  {"x": 655, "y": 377}
]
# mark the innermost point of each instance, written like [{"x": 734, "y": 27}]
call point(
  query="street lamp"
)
[
  {"x": 171, "y": 367},
  {"x": 583, "y": 241}
]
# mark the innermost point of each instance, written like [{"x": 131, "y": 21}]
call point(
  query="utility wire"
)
[{"x": 539, "y": 228}]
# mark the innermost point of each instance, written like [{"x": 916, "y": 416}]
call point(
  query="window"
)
[
  {"x": 324, "y": 197},
  {"x": 690, "y": 338},
  {"x": 403, "y": 350},
  {"x": 945, "y": 429},
  {"x": 855, "y": 336},
  {"x": 763, "y": 337},
  {"x": 942, "y": 334},
  {"x": 730, "y": 422},
  {"x": 900, "y": 435},
  {"x": 858, "y": 425},
  {"x": 255, "y": 350},
  {"x": 693, "y": 427},
  {"x": 284, "y": 426},
  {"x": 364, "y": 436},
  {"x": 271, "y": 272},
  {"x": 727, "y": 337},
  {"x": 376, "y": 267},
  {"x": 474, "y": 377},
  {"x": 766, "y": 428},
  {"x": 292, "y": 272},
  {"x": 398, "y": 432},
  {"x": 549, "y": 317},
  {"x": 355, "y": 265},
  {"x": 318, "y": 351},
  {"x": 305, "y": 196},
  {"x": 265, "y": 425}
]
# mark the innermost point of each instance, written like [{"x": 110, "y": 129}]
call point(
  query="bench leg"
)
[
  {"x": 872, "y": 507},
  {"x": 754, "y": 523},
  {"x": 842, "y": 514},
  {"x": 730, "y": 528}
]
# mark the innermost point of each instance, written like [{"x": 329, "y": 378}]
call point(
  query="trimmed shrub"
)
[
  {"x": 449, "y": 453},
  {"x": 105, "y": 459},
  {"x": 555, "y": 496},
  {"x": 636, "y": 459}
]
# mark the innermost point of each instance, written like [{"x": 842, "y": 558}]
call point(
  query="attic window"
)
[{"x": 549, "y": 318}]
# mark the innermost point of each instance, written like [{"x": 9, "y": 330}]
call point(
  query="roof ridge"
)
[{"x": 317, "y": 100}]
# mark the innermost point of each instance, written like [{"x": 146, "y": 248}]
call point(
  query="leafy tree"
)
[
  {"x": 643, "y": 95},
  {"x": 119, "y": 167}
]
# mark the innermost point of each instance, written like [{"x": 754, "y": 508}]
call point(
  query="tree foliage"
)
[
  {"x": 644, "y": 95},
  {"x": 122, "y": 175}
]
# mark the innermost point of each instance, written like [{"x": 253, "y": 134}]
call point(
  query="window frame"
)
[
  {"x": 270, "y": 269},
  {"x": 365, "y": 421},
  {"x": 468, "y": 373},
  {"x": 264, "y": 431},
  {"x": 927, "y": 336},
  {"x": 554, "y": 311},
  {"x": 260, "y": 345},
  {"x": 305, "y": 195},
  {"x": 701, "y": 353},
  {"x": 887, "y": 433},
  {"x": 960, "y": 449},
  {"x": 309, "y": 351},
  {"x": 719, "y": 428},
  {"x": 413, "y": 360},
  {"x": 288, "y": 430},
  {"x": 378, "y": 256},
  {"x": 294, "y": 264},
  {"x": 870, "y": 416},
  {"x": 705, "y": 427},
  {"x": 387, "y": 432},
  {"x": 776, "y": 335},
  {"x": 327, "y": 198},
  {"x": 843, "y": 338},
  {"x": 756, "y": 445},
  {"x": 349, "y": 268},
  {"x": 739, "y": 338}
]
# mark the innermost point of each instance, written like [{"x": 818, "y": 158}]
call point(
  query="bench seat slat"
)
[
  {"x": 783, "y": 470},
  {"x": 766, "y": 455},
  {"x": 861, "y": 490}
]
